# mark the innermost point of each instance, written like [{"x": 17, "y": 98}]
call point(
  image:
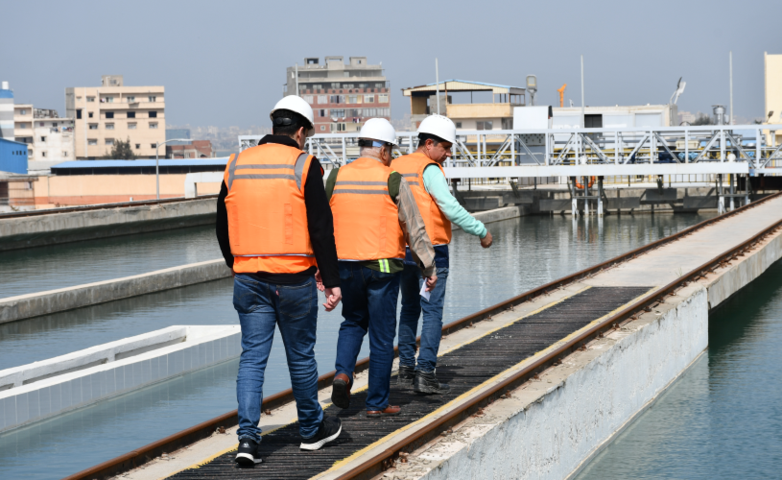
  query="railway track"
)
[{"x": 418, "y": 408}]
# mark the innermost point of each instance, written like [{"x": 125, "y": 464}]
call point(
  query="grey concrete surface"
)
[
  {"x": 43, "y": 303},
  {"x": 499, "y": 214},
  {"x": 24, "y": 232}
]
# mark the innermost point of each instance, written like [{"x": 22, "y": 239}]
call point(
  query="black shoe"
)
[
  {"x": 248, "y": 453},
  {"x": 426, "y": 382},
  {"x": 329, "y": 430},
  {"x": 405, "y": 377}
]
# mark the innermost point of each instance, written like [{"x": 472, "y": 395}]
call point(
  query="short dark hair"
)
[
  {"x": 423, "y": 137},
  {"x": 287, "y": 122}
]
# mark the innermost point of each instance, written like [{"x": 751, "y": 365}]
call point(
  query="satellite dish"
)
[{"x": 679, "y": 90}]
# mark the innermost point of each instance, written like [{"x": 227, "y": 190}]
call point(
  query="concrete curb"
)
[
  {"x": 43, "y": 303},
  {"x": 497, "y": 215},
  {"x": 16, "y": 233}
]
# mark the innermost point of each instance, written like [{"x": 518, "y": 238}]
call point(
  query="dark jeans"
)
[
  {"x": 368, "y": 306},
  {"x": 294, "y": 308},
  {"x": 431, "y": 330}
]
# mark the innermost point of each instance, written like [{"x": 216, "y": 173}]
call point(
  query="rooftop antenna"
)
[
  {"x": 679, "y": 90},
  {"x": 437, "y": 80}
]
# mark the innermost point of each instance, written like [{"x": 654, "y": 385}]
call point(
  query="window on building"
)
[
  {"x": 43, "y": 154},
  {"x": 40, "y": 124},
  {"x": 89, "y": 114},
  {"x": 369, "y": 99},
  {"x": 90, "y": 99},
  {"x": 109, "y": 114},
  {"x": 23, "y": 112},
  {"x": 109, "y": 99},
  {"x": 324, "y": 112},
  {"x": 109, "y": 126},
  {"x": 78, "y": 114},
  {"x": 153, "y": 145},
  {"x": 152, "y": 114},
  {"x": 339, "y": 113},
  {"x": 64, "y": 154},
  {"x": 323, "y": 99},
  {"x": 138, "y": 145},
  {"x": 131, "y": 114},
  {"x": 322, "y": 127},
  {"x": 354, "y": 99},
  {"x": 152, "y": 99},
  {"x": 484, "y": 124},
  {"x": 337, "y": 98},
  {"x": 93, "y": 126},
  {"x": 92, "y": 141},
  {"x": 337, "y": 127},
  {"x": 309, "y": 99},
  {"x": 458, "y": 124},
  {"x": 43, "y": 139},
  {"x": 110, "y": 141},
  {"x": 382, "y": 98},
  {"x": 132, "y": 126},
  {"x": 131, "y": 99},
  {"x": 153, "y": 125}
]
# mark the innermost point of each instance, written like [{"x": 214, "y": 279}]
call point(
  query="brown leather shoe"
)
[
  {"x": 389, "y": 411},
  {"x": 340, "y": 391}
]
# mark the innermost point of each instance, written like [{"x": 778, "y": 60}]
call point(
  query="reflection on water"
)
[
  {"x": 722, "y": 419},
  {"x": 59, "y": 266},
  {"x": 527, "y": 252}
]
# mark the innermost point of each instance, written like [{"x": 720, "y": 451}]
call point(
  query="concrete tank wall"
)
[{"x": 34, "y": 231}]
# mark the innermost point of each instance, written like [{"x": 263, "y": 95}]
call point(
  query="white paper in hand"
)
[{"x": 424, "y": 293}]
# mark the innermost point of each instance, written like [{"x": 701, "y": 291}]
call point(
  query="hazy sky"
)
[{"x": 223, "y": 62}]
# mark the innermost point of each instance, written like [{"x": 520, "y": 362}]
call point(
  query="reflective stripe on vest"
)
[
  {"x": 366, "y": 227},
  {"x": 267, "y": 216},
  {"x": 412, "y": 166}
]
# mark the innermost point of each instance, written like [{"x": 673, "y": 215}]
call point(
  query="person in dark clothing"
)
[{"x": 276, "y": 233}]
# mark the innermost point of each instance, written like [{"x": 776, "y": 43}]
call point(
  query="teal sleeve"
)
[{"x": 437, "y": 186}]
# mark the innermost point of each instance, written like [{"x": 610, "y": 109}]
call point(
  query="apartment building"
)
[
  {"x": 6, "y": 112},
  {"x": 343, "y": 95},
  {"x": 195, "y": 149},
  {"x": 772, "y": 75},
  {"x": 113, "y": 112},
  {"x": 48, "y": 137}
]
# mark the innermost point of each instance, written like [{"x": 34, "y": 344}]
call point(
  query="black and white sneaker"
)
[
  {"x": 329, "y": 430},
  {"x": 248, "y": 455}
]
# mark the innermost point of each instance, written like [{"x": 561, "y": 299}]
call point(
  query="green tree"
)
[{"x": 121, "y": 151}]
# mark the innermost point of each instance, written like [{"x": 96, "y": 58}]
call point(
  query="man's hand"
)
[
  {"x": 486, "y": 241},
  {"x": 333, "y": 297},
  {"x": 431, "y": 282},
  {"x": 319, "y": 281}
]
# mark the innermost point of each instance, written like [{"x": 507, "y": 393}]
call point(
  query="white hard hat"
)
[
  {"x": 439, "y": 126},
  {"x": 295, "y": 103},
  {"x": 378, "y": 129}
]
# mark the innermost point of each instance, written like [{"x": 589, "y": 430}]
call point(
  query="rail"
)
[{"x": 191, "y": 435}]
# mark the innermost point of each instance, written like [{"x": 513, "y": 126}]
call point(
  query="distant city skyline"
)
[{"x": 228, "y": 67}]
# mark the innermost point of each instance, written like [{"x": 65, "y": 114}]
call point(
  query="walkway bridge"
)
[{"x": 540, "y": 382}]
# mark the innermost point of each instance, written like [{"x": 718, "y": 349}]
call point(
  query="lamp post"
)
[{"x": 157, "y": 163}]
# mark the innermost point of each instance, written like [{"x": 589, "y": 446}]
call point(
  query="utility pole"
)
[
  {"x": 437, "y": 80},
  {"x": 583, "y": 114},
  {"x": 730, "y": 117}
]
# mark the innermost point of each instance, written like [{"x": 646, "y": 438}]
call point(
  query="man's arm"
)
[
  {"x": 221, "y": 227},
  {"x": 415, "y": 231},
  {"x": 437, "y": 186},
  {"x": 320, "y": 224}
]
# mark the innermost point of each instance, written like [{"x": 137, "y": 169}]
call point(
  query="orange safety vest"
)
[
  {"x": 366, "y": 219},
  {"x": 267, "y": 218},
  {"x": 412, "y": 166}
]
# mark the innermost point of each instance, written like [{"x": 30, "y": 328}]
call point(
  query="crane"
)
[{"x": 562, "y": 95}]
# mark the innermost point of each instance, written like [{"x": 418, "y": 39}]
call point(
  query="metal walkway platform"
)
[{"x": 464, "y": 368}]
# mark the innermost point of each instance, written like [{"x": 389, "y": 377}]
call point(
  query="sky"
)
[{"x": 223, "y": 62}]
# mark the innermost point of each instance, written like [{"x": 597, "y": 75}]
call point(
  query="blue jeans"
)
[
  {"x": 431, "y": 330},
  {"x": 294, "y": 308},
  {"x": 368, "y": 305}
]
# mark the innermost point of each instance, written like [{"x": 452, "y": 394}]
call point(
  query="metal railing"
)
[{"x": 579, "y": 147}]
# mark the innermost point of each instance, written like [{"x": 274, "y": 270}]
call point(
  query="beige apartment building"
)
[
  {"x": 112, "y": 112},
  {"x": 773, "y": 80}
]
